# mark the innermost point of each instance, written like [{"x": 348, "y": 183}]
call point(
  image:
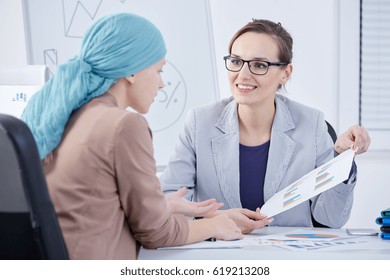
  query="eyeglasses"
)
[{"x": 256, "y": 67}]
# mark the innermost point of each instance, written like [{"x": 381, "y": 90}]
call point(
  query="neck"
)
[
  {"x": 118, "y": 90},
  {"x": 255, "y": 123}
]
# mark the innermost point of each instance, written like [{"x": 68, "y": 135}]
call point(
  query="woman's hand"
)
[
  {"x": 220, "y": 227},
  {"x": 225, "y": 228},
  {"x": 179, "y": 205},
  {"x": 247, "y": 220},
  {"x": 356, "y": 138}
]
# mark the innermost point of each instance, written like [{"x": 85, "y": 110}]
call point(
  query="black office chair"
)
[
  {"x": 333, "y": 135},
  {"x": 331, "y": 132},
  {"x": 28, "y": 224}
]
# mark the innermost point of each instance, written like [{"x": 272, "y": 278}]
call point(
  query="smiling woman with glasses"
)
[{"x": 242, "y": 150}]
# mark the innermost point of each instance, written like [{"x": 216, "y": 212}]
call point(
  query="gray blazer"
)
[{"x": 206, "y": 160}]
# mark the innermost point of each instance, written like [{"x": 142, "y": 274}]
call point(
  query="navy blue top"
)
[{"x": 253, "y": 165}]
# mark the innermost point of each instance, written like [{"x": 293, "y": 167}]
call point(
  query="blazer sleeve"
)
[
  {"x": 332, "y": 207},
  {"x": 146, "y": 211},
  {"x": 181, "y": 169}
]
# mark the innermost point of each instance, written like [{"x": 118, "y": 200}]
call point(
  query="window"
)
[{"x": 374, "y": 103}]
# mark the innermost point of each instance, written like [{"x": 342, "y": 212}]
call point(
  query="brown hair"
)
[{"x": 275, "y": 30}]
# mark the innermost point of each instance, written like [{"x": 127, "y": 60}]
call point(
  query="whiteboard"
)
[{"x": 54, "y": 34}]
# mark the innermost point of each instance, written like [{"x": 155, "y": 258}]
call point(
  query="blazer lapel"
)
[
  {"x": 281, "y": 149},
  {"x": 225, "y": 149}
]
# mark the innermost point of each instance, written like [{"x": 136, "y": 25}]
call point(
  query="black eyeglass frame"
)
[{"x": 249, "y": 67}]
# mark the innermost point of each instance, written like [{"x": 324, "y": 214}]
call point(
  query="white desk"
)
[{"x": 374, "y": 248}]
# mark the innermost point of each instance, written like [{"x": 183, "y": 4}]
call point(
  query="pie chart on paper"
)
[{"x": 311, "y": 235}]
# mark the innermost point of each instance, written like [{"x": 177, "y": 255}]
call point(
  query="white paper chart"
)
[{"x": 313, "y": 183}]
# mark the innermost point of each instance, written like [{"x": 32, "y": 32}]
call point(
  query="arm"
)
[
  {"x": 178, "y": 179},
  {"x": 181, "y": 169},
  {"x": 145, "y": 207},
  {"x": 356, "y": 137},
  {"x": 333, "y": 207}
]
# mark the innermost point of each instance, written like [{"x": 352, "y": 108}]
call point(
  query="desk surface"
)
[{"x": 371, "y": 247}]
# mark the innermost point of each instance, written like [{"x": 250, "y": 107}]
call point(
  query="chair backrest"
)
[
  {"x": 28, "y": 224},
  {"x": 331, "y": 132}
]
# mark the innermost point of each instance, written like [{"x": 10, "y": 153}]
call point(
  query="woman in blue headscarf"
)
[{"x": 98, "y": 157}]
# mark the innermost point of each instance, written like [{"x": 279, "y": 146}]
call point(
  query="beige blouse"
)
[{"x": 102, "y": 180}]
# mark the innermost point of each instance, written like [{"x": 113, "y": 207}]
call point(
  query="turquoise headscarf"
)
[{"x": 114, "y": 47}]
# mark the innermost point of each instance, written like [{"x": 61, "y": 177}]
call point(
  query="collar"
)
[{"x": 227, "y": 121}]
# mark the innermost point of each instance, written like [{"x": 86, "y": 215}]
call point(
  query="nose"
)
[
  {"x": 161, "y": 83},
  {"x": 245, "y": 72}
]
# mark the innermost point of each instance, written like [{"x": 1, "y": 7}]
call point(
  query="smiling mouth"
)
[{"x": 245, "y": 87}]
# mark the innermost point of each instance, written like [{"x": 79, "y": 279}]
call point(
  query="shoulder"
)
[
  {"x": 107, "y": 111},
  {"x": 131, "y": 120},
  {"x": 211, "y": 111},
  {"x": 130, "y": 128},
  {"x": 296, "y": 109},
  {"x": 215, "y": 106},
  {"x": 107, "y": 119}
]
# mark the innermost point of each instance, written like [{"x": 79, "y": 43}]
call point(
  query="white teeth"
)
[{"x": 246, "y": 87}]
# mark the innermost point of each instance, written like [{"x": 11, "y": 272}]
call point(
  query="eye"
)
[
  {"x": 259, "y": 64},
  {"x": 235, "y": 61}
]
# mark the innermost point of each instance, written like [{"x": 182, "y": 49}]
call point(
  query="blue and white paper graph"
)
[{"x": 313, "y": 183}]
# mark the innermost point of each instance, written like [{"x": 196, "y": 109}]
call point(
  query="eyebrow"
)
[{"x": 255, "y": 58}]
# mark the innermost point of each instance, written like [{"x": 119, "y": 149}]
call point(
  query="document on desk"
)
[
  {"x": 306, "y": 239},
  {"x": 313, "y": 183}
]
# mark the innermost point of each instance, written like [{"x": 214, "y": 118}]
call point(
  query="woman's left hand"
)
[
  {"x": 179, "y": 205},
  {"x": 356, "y": 138}
]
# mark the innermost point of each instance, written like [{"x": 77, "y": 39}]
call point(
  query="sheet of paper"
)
[
  {"x": 316, "y": 234},
  {"x": 13, "y": 99},
  {"x": 315, "y": 245},
  {"x": 293, "y": 240},
  {"x": 313, "y": 183},
  {"x": 304, "y": 239}
]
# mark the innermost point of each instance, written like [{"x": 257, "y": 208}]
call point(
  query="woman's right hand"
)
[
  {"x": 247, "y": 220},
  {"x": 219, "y": 227},
  {"x": 225, "y": 228}
]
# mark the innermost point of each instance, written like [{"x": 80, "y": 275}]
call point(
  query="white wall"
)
[
  {"x": 13, "y": 43},
  {"x": 372, "y": 192}
]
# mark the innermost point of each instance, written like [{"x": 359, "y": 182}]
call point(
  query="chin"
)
[
  {"x": 138, "y": 110},
  {"x": 144, "y": 110},
  {"x": 241, "y": 98}
]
